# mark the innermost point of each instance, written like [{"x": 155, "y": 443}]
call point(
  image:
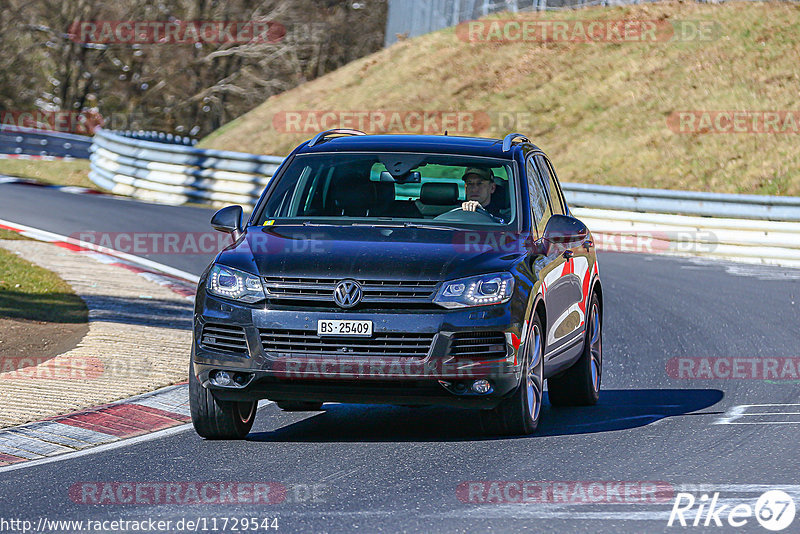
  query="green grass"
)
[
  {"x": 30, "y": 292},
  {"x": 12, "y": 235},
  {"x": 57, "y": 172},
  {"x": 598, "y": 109}
]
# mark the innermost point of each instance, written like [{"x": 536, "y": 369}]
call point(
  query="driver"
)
[{"x": 479, "y": 186}]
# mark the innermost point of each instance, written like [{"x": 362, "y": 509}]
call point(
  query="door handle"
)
[{"x": 568, "y": 254}]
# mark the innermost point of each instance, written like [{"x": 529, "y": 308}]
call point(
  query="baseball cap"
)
[{"x": 486, "y": 174}]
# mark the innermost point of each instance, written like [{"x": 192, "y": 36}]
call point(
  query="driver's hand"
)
[{"x": 471, "y": 205}]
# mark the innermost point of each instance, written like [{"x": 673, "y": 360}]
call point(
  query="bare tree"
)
[{"x": 192, "y": 87}]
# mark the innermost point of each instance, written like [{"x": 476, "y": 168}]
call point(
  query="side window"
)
[
  {"x": 540, "y": 209},
  {"x": 558, "y": 185},
  {"x": 552, "y": 188}
]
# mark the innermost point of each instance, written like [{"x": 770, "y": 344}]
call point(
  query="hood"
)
[{"x": 372, "y": 252}]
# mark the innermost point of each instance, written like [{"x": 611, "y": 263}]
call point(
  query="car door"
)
[{"x": 563, "y": 281}]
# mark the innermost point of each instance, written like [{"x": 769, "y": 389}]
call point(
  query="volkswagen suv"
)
[{"x": 362, "y": 276}]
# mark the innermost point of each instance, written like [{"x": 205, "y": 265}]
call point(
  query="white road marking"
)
[
  {"x": 730, "y": 494},
  {"x": 748, "y": 414},
  {"x": 44, "y": 235}
]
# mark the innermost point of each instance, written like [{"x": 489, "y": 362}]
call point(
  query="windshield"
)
[{"x": 348, "y": 188}]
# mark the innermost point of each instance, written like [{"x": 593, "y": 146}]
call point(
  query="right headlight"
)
[
  {"x": 482, "y": 290},
  {"x": 234, "y": 284}
]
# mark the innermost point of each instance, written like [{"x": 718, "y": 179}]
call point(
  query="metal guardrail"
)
[
  {"x": 751, "y": 241},
  {"x": 177, "y": 173},
  {"x": 18, "y": 141},
  {"x": 683, "y": 202},
  {"x": 159, "y": 137}
]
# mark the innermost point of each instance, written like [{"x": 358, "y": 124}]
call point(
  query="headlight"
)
[
  {"x": 234, "y": 284},
  {"x": 476, "y": 291}
]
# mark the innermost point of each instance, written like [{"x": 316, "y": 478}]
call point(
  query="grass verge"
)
[
  {"x": 56, "y": 172},
  {"x": 12, "y": 235},
  {"x": 29, "y": 292}
]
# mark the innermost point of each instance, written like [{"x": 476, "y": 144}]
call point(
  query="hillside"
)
[{"x": 606, "y": 112}]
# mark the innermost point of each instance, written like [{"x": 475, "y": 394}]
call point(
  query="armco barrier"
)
[
  {"x": 21, "y": 142},
  {"x": 177, "y": 173},
  {"x": 685, "y": 202},
  {"x": 751, "y": 241},
  {"x": 753, "y": 228}
]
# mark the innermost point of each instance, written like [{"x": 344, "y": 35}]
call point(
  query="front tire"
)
[
  {"x": 580, "y": 384},
  {"x": 519, "y": 413},
  {"x": 217, "y": 419}
]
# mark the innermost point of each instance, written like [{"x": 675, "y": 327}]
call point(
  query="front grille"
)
[
  {"x": 320, "y": 290},
  {"x": 484, "y": 345},
  {"x": 306, "y": 342},
  {"x": 223, "y": 337}
]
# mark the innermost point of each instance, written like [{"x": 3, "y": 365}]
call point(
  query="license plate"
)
[{"x": 343, "y": 327}]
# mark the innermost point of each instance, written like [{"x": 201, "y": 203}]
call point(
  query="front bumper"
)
[{"x": 435, "y": 378}]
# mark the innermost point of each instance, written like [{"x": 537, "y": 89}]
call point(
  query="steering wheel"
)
[{"x": 463, "y": 214}]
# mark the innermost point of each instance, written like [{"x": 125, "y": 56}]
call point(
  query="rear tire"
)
[
  {"x": 216, "y": 419},
  {"x": 580, "y": 384},
  {"x": 299, "y": 406},
  {"x": 519, "y": 413}
]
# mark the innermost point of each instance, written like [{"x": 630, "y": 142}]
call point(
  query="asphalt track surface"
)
[{"x": 376, "y": 468}]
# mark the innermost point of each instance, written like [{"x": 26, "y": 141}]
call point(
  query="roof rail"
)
[
  {"x": 320, "y": 137},
  {"x": 510, "y": 138}
]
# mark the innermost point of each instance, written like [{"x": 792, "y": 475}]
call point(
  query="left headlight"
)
[
  {"x": 480, "y": 290},
  {"x": 234, "y": 284}
]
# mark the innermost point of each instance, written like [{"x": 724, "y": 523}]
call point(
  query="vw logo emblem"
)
[{"x": 347, "y": 293}]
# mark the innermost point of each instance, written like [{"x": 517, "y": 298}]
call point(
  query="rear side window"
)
[
  {"x": 540, "y": 209},
  {"x": 554, "y": 192}
]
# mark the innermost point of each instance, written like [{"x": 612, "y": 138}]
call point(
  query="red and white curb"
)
[
  {"x": 85, "y": 429},
  {"x": 99, "y": 428},
  {"x": 177, "y": 281}
]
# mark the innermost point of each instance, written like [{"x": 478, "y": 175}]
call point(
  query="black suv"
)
[{"x": 367, "y": 274}]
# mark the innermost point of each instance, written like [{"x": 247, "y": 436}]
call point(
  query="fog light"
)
[
  {"x": 222, "y": 378},
  {"x": 482, "y": 387},
  {"x": 241, "y": 378}
]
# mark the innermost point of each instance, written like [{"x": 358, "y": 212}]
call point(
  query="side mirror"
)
[
  {"x": 228, "y": 220},
  {"x": 565, "y": 231}
]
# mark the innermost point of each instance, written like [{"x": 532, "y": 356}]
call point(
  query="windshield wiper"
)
[
  {"x": 377, "y": 225},
  {"x": 309, "y": 223},
  {"x": 405, "y": 225},
  {"x": 430, "y": 226}
]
